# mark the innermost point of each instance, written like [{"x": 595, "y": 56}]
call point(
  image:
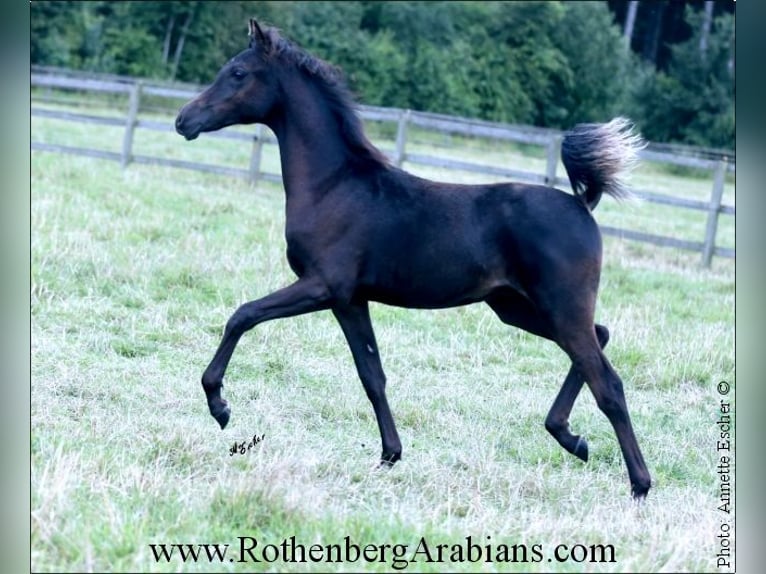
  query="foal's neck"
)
[{"x": 311, "y": 144}]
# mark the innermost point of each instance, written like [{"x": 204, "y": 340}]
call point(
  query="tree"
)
[
  {"x": 545, "y": 63},
  {"x": 59, "y": 33},
  {"x": 630, "y": 22},
  {"x": 707, "y": 21},
  {"x": 216, "y": 31},
  {"x": 693, "y": 101},
  {"x": 600, "y": 69}
]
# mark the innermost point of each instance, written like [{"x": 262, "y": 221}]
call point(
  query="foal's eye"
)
[{"x": 238, "y": 74}]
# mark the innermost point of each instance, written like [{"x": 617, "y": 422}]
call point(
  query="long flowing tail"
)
[{"x": 596, "y": 156}]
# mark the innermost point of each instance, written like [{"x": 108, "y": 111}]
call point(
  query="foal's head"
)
[
  {"x": 254, "y": 86},
  {"x": 245, "y": 91}
]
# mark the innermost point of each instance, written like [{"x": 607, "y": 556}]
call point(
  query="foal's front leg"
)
[
  {"x": 357, "y": 327},
  {"x": 304, "y": 296}
]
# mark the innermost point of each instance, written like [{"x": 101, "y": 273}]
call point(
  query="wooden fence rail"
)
[{"x": 716, "y": 161}]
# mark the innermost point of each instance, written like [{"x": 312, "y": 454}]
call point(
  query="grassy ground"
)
[{"x": 134, "y": 274}]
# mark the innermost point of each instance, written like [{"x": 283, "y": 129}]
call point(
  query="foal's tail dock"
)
[{"x": 597, "y": 155}]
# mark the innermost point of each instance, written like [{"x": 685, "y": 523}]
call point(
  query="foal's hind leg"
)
[
  {"x": 606, "y": 386},
  {"x": 557, "y": 421},
  {"x": 515, "y": 309}
]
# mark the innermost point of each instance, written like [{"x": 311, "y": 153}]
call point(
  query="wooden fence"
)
[{"x": 716, "y": 161}]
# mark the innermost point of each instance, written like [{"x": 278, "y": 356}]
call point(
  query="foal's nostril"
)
[
  {"x": 189, "y": 130},
  {"x": 179, "y": 122}
]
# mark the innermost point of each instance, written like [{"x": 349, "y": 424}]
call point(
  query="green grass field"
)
[{"x": 134, "y": 274}]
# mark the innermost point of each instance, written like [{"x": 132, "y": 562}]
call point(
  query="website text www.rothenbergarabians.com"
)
[{"x": 399, "y": 556}]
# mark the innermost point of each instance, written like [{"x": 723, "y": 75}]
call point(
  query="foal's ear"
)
[{"x": 256, "y": 35}]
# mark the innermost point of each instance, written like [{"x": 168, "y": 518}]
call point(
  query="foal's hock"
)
[{"x": 358, "y": 229}]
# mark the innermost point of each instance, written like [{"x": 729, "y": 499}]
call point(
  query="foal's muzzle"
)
[{"x": 184, "y": 128}]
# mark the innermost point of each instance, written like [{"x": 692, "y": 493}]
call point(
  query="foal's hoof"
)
[
  {"x": 388, "y": 460},
  {"x": 221, "y": 413},
  {"x": 639, "y": 491},
  {"x": 581, "y": 449}
]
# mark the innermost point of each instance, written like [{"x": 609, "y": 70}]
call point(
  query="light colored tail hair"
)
[{"x": 598, "y": 156}]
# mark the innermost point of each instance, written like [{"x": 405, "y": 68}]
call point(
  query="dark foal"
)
[{"x": 358, "y": 229}]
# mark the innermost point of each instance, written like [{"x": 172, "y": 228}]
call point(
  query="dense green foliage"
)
[
  {"x": 543, "y": 63},
  {"x": 693, "y": 101}
]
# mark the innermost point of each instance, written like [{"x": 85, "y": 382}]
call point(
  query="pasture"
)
[{"x": 134, "y": 274}]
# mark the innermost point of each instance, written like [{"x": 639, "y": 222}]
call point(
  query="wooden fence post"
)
[
  {"x": 401, "y": 137},
  {"x": 712, "y": 217},
  {"x": 554, "y": 150},
  {"x": 130, "y": 124},
  {"x": 255, "y": 155}
]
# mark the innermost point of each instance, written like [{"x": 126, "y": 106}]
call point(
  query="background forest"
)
[{"x": 670, "y": 66}]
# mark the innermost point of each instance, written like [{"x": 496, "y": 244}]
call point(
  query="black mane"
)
[{"x": 333, "y": 86}]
